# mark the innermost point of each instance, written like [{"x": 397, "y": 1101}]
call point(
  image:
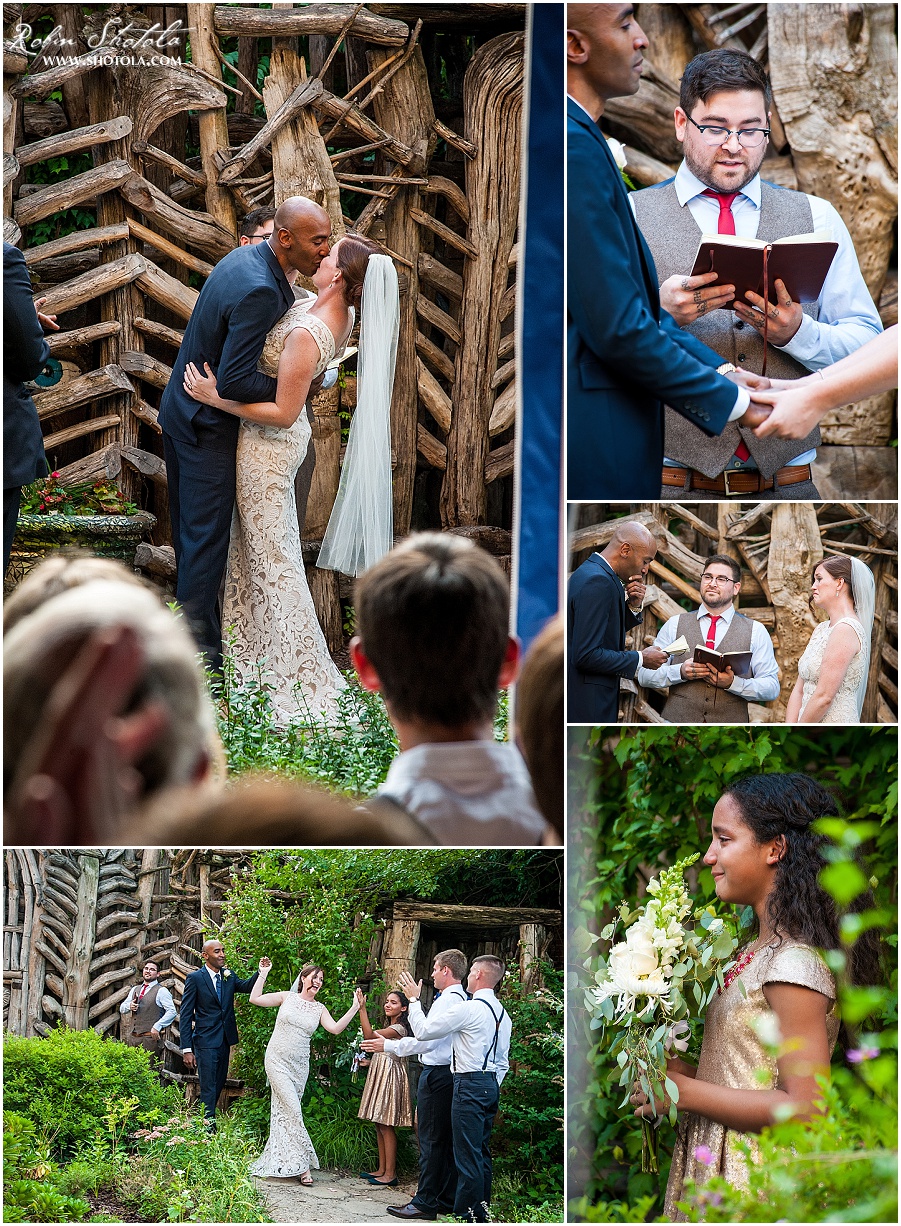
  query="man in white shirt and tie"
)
[
  {"x": 437, "y": 1172},
  {"x": 698, "y": 693},
  {"x": 152, "y": 1009},
  {"x": 480, "y": 1031}
]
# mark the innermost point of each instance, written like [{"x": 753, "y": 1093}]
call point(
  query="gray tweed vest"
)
[
  {"x": 696, "y": 702},
  {"x": 673, "y": 235},
  {"x": 148, "y": 1012}
]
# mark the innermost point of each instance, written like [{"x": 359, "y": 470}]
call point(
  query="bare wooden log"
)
[
  {"x": 503, "y": 374},
  {"x": 795, "y": 550},
  {"x": 435, "y": 273},
  {"x": 69, "y": 142},
  {"x": 493, "y": 109},
  {"x": 440, "y": 319},
  {"x": 95, "y": 237},
  {"x": 158, "y": 285},
  {"x": 64, "y": 267},
  {"x": 105, "y": 464},
  {"x": 80, "y": 430},
  {"x": 88, "y": 388},
  {"x": 436, "y": 357},
  {"x": 280, "y": 113},
  {"x": 42, "y": 84},
  {"x": 443, "y": 132},
  {"x": 152, "y": 371},
  {"x": 68, "y": 192},
  {"x": 433, "y": 396},
  {"x": 43, "y": 119},
  {"x": 92, "y": 284},
  {"x": 165, "y": 247},
  {"x": 504, "y": 411},
  {"x": 77, "y": 974},
  {"x": 645, "y": 170},
  {"x": 438, "y": 185},
  {"x": 652, "y": 118},
  {"x": 212, "y": 123},
  {"x": 78, "y": 338},
  {"x": 160, "y": 332},
  {"x": 430, "y": 448},
  {"x": 147, "y": 414},
  {"x": 145, "y": 463},
  {"x": 449, "y": 236},
  {"x": 158, "y": 560},
  {"x": 11, "y": 232},
  {"x": 320, "y": 19},
  {"x": 110, "y": 959},
  {"x": 499, "y": 462},
  {"x": 159, "y": 157},
  {"x": 354, "y": 119},
  {"x": 198, "y": 229}
]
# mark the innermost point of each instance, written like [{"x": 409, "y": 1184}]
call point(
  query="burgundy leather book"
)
[{"x": 801, "y": 261}]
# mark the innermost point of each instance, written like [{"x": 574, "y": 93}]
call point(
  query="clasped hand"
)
[
  {"x": 783, "y": 319},
  {"x": 707, "y": 672},
  {"x": 199, "y": 387}
]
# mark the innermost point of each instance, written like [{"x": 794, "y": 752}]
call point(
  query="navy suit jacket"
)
[
  {"x": 244, "y": 295},
  {"x": 24, "y": 353},
  {"x": 598, "y": 620},
  {"x": 627, "y": 357},
  {"x": 203, "y": 1021}
]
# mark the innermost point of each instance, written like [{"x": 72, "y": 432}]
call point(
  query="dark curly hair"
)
[{"x": 798, "y": 906}]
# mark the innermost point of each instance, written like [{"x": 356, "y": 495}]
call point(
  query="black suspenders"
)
[{"x": 492, "y": 1050}]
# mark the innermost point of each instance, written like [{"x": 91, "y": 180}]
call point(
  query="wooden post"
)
[
  {"x": 493, "y": 107},
  {"x": 404, "y": 108},
  {"x": 795, "y": 550},
  {"x": 78, "y": 975},
  {"x": 33, "y": 965},
  {"x": 211, "y": 124},
  {"x": 532, "y": 948},
  {"x": 881, "y": 613},
  {"x": 401, "y": 944}
]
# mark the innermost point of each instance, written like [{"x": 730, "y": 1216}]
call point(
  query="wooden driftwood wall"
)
[
  {"x": 834, "y": 74},
  {"x": 79, "y": 924},
  {"x": 412, "y": 111},
  {"x": 778, "y": 544}
]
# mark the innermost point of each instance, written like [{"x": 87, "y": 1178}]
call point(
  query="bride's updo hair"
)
[
  {"x": 310, "y": 969},
  {"x": 788, "y": 805},
  {"x": 353, "y": 255},
  {"x": 839, "y": 567}
]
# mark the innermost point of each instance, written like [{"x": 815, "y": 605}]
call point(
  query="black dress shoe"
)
[{"x": 410, "y": 1211}]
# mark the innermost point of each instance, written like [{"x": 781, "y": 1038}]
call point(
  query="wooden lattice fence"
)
[{"x": 778, "y": 544}]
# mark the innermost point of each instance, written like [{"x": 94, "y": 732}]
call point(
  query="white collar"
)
[
  {"x": 727, "y": 615},
  {"x": 581, "y": 107},
  {"x": 688, "y": 185}
]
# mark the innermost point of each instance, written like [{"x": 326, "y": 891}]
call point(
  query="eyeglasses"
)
[
  {"x": 260, "y": 238},
  {"x": 717, "y": 579},
  {"x": 748, "y": 138}
]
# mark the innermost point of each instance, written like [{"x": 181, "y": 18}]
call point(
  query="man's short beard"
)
[
  {"x": 703, "y": 173},
  {"x": 709, "y": 604}
]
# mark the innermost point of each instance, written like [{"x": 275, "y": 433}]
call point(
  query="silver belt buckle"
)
[{"x": 727, "y": 473}]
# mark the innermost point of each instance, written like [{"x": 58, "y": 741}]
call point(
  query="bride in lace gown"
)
[
  {"x": 833, "y": 671},
  {"x": 289, "y": 1151},
  {"x": 267, "y": 603}
]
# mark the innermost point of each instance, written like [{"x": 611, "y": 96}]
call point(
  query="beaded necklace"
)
[{"x": 743, "y": 962}]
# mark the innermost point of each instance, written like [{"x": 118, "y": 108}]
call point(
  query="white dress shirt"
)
[
  {"x": 763, "y": 686},
  {"x": 468, "y": 793},
  {"x": 848, "y": 315},
  {"x": 163, "y": 999},
  {"x": 472, "y": 1030},
  {"x": 431, "y": 1052}
]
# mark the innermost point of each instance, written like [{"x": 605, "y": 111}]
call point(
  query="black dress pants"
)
[
  {"x": 212, "y": 1070},
  {"x": 472, "y": 1114},
  {"x": 437, "y": 1172}
]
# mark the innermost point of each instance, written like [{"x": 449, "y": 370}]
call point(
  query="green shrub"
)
[
  {"x": 31, "y": 1190},
  {"x": 78, "y": 1085}
]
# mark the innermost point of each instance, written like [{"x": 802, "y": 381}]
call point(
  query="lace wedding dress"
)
[
  {"x": 267, "y": 600},
  {"x": 289, "y": 1150},
  {"x": 843, "y": 708}
]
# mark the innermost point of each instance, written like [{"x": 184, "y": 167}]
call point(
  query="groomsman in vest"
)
[
  {"x": 606, "y": 594},
  {"x": 151, "y": 1009},
  {"x": 722, "y": 122},
  {"x": 699, "y": 693},
  {"x": 480, "y": 1029},
  {"x": 437, "y": 1186}
]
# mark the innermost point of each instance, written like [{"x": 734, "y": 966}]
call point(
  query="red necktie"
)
[
  {"x": 711, "y": 633},
  {"x": 141, "y": 993},
  {"x": 726, "y": 225}
]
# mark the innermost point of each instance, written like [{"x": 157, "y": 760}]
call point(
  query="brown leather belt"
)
[{"x": 738, "y": 480}]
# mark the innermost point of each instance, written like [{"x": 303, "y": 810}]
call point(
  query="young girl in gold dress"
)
[
  {"x": 764, "y": 853},
  {"x": 386, "y": 1097}
]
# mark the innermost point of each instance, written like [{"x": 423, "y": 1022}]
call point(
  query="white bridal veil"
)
[
  {"x": 863, "y": 593},
  {"x": 361, "y": 526}
]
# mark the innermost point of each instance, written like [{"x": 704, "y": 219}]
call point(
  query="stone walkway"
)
[{"x": 333, "y": 1198}]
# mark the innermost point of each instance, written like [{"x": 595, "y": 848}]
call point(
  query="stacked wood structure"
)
[
  {"x": 834, "y": 135},
  {"x": 777, "y": 544},
  {"x": 411, "y": 111},
  {"x": 79, "y": 924}
]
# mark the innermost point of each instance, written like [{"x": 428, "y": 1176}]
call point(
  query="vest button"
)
[
  {"x": 741, "y": 357},
  {"x": 739, "y": 324}
]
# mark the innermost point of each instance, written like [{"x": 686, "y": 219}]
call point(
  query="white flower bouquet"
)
[{"x": 645, "y": 988}]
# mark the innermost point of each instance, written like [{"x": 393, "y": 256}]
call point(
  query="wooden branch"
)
[
  {"x": 354, "y": 119},
  {"x": 357, "y": 150},
  {"x": 467, "y": 148},
  {"x": 89, "y": 387},
  {"x": 69, "y": 142},
  {"x": 41, "y": 84},
  {"x": 406, "y": 181},
  {"x": 396, "y": 66},
  {"x": 105, "y": 464},
  {"x": 148, "y": 465},
  {"x": 677, "y": 581},
  {"x": 77, "y": 338},
  {"x": 438, "y": 185},
  {"x": 435, "y": 356},
  {"x": 158, "y": 560},
  {"x": 444, "y": 232},
  {"x": 304, "y": 95},
  {"x": 152, "y": 371},
  {"x": 329, "y": 19},
  {"x": 433, "y": 396},
  {"x": 434, "y": 273},
  {"x": 159, "y": 332},
  {"x": 90, "y": 285},
  {"x": 43, "y": 118},
  {"x": 499, "y": 462},
  {"x": 158, "y": 285},
  {"x": 476, "y": 917},
  {"x": 198, "y": 229},
  {"x": 434, "y": 452},
  {"x": 682, "y": 512},
  {"x": 69, "y": 192},
  {"x": 441, "y": 320},
  {"x": 503, "y": 412},
  {"x": 78, "y": 431},
  {"x": 79, "y": 241},
  {"x": 166, "y": 248},
  {"x": 503, "y": 374},
  {"x": 145, "y": 150},
  {"x": 147, "y": 414}
]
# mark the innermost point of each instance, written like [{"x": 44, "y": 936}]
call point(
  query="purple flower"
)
[
  {"x": 704, "y": 1155},
  {"x": 857, "y": 1055}
]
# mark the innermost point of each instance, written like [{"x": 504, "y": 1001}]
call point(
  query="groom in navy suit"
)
[
  {"x": 207, "y": 1025},
  {"x": 243, "y": 297},
  {"x": 626, "y": 355},
  {"x": 605, "y": 600}
]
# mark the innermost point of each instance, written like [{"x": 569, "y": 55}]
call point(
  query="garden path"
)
[{"x": 334, "y": 1197}]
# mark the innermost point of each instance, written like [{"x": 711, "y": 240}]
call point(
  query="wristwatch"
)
[{"x": 726, "y": 368}]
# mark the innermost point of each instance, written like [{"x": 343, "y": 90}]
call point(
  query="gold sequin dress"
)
[
  {"x": 386, "y": 1095},
  {"x": 731, "y": 1053}
]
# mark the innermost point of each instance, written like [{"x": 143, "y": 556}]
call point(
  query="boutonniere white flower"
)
[
  {"x": 618, "y": 149},
  {"x": 226, "y": 974}
]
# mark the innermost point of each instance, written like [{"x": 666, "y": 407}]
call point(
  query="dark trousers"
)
[
  {"x": 437, "y": 1173},
  {"x": 304, "y": 479},
  {"x": 11, "y": 499},
  {"x": 201, "y": 482},
  {"x": 472, "y": 1116},
  {"x": 212, "y": 1069}
]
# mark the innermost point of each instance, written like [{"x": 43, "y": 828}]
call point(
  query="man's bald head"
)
[
  {"x": 630, "y": 550},
  {"x": 604, "y": 46},
  {"x": 213, "y": 954},
  {"x": 300, "y": 239}
]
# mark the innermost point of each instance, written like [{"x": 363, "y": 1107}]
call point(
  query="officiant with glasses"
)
[
  {"x": 722, "y": 122},
  {"x": 702, "y": 693}
]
